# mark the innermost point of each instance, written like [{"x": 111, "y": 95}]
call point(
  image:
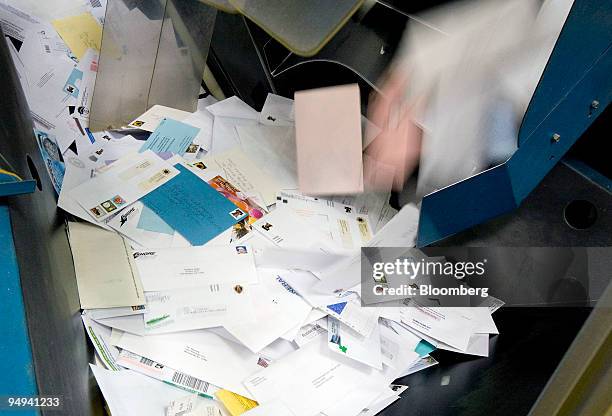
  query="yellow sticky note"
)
[
  {"x": 235, "y": 403},
  {"x": 79, "y": 32}
]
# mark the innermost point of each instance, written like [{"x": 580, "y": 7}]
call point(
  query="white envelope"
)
[
  {"x": 356, "y": 400},
  {"x": 200, "y": 354},
  {"x": 477, "y": 345},
  {"x": 340, "y": 276},
  {"x": 310, "y": 332},
  {"x": 229, "y": 113},
  {"x": 304, "y": 283},
  {"x": 150, "y": 368},
  {"x": 313, "y": 260},
  {"x": 204, "y": 121},
  {"x": 277, "y": 309},
  {"x": 154, "y": 115},
  {"x": 193, "y": 405},
  {"x": 133, "y": 324},
  {"x": 273, "y": 150},
  {"x": 89, "y": 66},
  {"x": 347, "y": 229},
  {"x": 99, "y": 336},
  {"x": 343, "y": 340},
  {"x": 285, "y": 229},
  {"x": 310, "y": 380},
  {"x": 442, "y": 324},
  {"x": 379, "y": 404},
  {"x": 400, "y": 231},
  {"x": 315, "y": 319},
  {"x": 78, "y": 171},
  {"x": 128, "y": 393},
  {"x": 349, "y": 312},
  {"x": 131, "y": 178},
  {"x": 113, "y": 312},
  {"x": 275, "y": 408},
  {"x": 372, "y": 204},
  {"x": 195, "y": 308},
  {"x": 277, "y": 111},
  {"x": 233, "y": 107},
  {"x": 484, "y": 323},
  {"x": 423, "y": 363},
  {"x": 196, "y": 266},
  {"x": 397, "y": 346}
]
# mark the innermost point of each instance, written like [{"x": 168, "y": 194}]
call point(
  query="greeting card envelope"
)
[
  {"x": 328, "y": 139},
  {"x": 193, "y": 208}
]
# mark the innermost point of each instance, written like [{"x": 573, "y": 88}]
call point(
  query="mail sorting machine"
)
[{"x": 44, "y": 346}]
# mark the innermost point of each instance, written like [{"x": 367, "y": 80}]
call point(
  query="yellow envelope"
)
[
  {"x": 79, "y": 32},
  {"x": 235, "y": 403}
]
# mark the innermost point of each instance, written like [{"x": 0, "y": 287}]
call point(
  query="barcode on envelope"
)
[
  {"x": 95, "y": 3},
  {"x": 147, "y": 361},
  {"x": 190, "y": 382}
]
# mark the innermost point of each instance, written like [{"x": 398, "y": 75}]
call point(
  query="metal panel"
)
[
  {"x": 589, "y": 30},
  {"x": 153, "y": 52},
  {"x": 125, "y": 68},
  {"x": 541, "y": 219},
  {"x": 181, "y": 56}
]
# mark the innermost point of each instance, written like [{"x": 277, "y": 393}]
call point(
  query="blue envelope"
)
[
  {"x": 193, "y": 208},
  {"x": 171, "y": 136}
]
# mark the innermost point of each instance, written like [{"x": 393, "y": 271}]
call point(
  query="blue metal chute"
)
[{"x": 574, "y": 89}]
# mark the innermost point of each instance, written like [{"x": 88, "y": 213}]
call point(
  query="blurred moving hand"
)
[{"x": 398, "y": 144}]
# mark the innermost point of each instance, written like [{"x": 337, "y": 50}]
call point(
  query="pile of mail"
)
[{"x": 210, "y": 285}]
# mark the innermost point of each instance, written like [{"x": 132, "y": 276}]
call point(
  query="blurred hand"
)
[{"x": 399, "y": 143}]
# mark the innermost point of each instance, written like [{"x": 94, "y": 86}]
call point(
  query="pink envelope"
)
[{"x": 328, "y": 140}]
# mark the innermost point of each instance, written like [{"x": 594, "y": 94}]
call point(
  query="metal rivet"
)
[
  {"x": 555, "y": 138},
  {"x": 595, "y": 104}
]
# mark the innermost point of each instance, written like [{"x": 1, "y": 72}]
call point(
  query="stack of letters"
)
[{"x": 212, "y": 281}]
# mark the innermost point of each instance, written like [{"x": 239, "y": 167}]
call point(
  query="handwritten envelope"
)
[{"x": 193, "y": 208}]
